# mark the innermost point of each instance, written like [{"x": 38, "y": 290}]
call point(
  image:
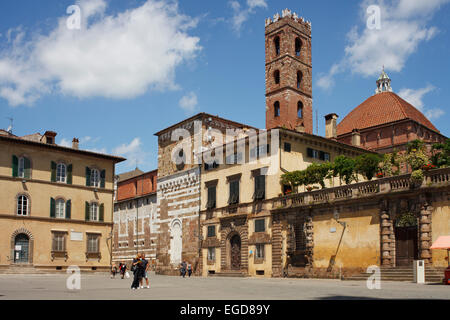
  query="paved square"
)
[{"x": 168, "y": 288}]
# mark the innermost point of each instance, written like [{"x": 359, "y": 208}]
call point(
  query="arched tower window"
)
[
  {"x": 298, "y": 46},
  {"x": 276, "y": 76},
  {"x": 300, "y": 109},
  {"x": 276, "y": 41},
  {"x": 276, "y": 109},
  {"x": 299, "y": 79}
]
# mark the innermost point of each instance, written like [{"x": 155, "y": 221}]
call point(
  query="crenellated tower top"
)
[{"x": 286, "y": 13}]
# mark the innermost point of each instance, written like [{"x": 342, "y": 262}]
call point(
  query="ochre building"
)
[{"x": 56, "y": 204}]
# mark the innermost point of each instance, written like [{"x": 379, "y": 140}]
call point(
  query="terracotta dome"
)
[{"x": 381, "y": 108}]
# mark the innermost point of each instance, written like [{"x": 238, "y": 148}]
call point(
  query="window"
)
[
  {"x": 93, "y": 243},
  {"x": 299, "y": 79},
  {"x": 276, "y": 108},
  {"x": 261, "y": 150},
  {"x": 277, "y": 45},
  {"x": 59, "y": 242},
  {"x": 260, "y": 187},
  {"x": 298, "y": 47},
  {"x": 21, "y": 167},
  {"x": 60, "y": 209},
  {"x": 234, "y": 192},
  {"x": 287, "y": 147},
  {"x": 259, "y": 254},
  {"x": 95, "y": 178},
  {"x": 316, "y": 154},
  {"x": 234, "y": 158},
  {"x": 211, "y": 197},
  {"x": 211, "y": 254},
  {"x": 300, "y": 109},
  {"x": 22, "y": 206},
  {"x": 260, "y": 225},
  {"x": 61, "y": 172},
  {"x": 93, "y": 212},
  {"x": 211, "y": 231},
  {"x": 276, "y": 76},
  {"x": 211, "y": 166}
]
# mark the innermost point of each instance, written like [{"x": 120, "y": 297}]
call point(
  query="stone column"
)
[
  {"x": 309, "y": 240},
  {"x": 425, "y": 233},
  {"x": 276, "y": 245},
  {"x": 387, "y": 240}
]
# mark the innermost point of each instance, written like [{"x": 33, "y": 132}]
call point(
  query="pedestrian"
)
[
  {"x": 113, "y": 271},
  {"x": 137, "y": 270},
  {"x": 189, "y": 268},
  {"x": 145, "y": 266},
  {"x": 123, "y": 269},
  {"x": 183, "y": 269}
]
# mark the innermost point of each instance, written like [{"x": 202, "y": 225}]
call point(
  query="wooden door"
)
[
  {"x": 406, "y": 245},
  {"x": 235, "y": 252}
]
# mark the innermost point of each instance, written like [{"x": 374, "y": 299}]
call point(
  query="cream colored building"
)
[
  {"x": 237, "y": 230},
  {"x": 56, "y": 204}
]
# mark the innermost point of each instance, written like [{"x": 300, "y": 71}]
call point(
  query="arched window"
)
[
  {"x": 277, "y": 45},
  {"x": 95, "y": 178},
  {"x": 298, "y": 46},
  {"x": 60, "y": 209},
  {"x": 61, "y": 172},
  {"x": 276, "y": 107},
  {"x": 276, "y": 76},
  {"x": 299, "y": 79},
  {"x": 300, "y": 109},
  {"x": 22, "y": 206}
]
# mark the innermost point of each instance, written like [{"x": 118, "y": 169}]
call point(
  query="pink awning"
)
[{"x": 442, "y": 242}]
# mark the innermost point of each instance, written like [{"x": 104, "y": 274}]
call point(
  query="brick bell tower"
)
[{"x": 288, "y": 72}]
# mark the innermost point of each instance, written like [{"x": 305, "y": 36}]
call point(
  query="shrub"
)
[{"x": 367, "y": 165}]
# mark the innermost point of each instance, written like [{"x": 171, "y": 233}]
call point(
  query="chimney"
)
[
  {"x": 49, "y": 137},
  {"x": 356, "y": 138},
  {"x": 75, "y": 143},
  {"x": 330, "y": 125}
]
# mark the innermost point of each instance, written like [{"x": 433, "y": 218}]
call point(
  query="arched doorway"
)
[
  {"x": 21, "y": 248},
  {"x": 235, "y": 252},
  {"x": 176, "y": 243},
  {"x": 406, "y": 240}
]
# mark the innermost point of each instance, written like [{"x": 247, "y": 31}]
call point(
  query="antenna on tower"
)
[{"x": 10, "y": 128}]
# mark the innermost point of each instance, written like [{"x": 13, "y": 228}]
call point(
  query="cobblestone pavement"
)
[{"x": 53, "y": 287}]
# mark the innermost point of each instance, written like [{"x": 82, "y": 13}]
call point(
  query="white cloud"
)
[
  {"x": 241, "y": 15},
  {"x": 189, "y": 102},
  {"x": 132, "y": 152},
  {"x": 404, "y": 26},
  {"x": 415, "y": 97},
  {"x": 117, "y": 56},
  {"x": 65, "y": 143}
]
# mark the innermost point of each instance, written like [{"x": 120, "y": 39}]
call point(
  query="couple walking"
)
[
  {"x": 184, "y": 267},
  {"x": 140, "y": 268}
]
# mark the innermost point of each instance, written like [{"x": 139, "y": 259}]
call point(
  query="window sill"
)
[
  {"x": 59, "y": 255},
  {"x": 258, "y": 260},
  {"x": 93, "y": 256}
]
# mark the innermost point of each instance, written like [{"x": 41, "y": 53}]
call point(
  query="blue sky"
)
[{"x": 135, "y": 67}]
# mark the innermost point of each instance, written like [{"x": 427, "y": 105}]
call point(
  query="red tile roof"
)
[{"x": 380, "y": 109}]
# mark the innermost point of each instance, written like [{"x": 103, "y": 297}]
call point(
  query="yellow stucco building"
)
[{"x": 55, "y": 204}]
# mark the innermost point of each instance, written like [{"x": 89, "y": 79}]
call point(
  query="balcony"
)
[{"x": 432, "y": 179}]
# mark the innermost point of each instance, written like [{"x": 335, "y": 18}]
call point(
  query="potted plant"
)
[
  {"x": 428, "y": 166},
  {"x": 380, "y": 175},
  {"x": 416, "y": 178},
  {"x": 309, "y": 188}
]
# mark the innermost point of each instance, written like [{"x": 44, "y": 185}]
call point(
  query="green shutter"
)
[
  {"x": 52, "y": 208},
  {"x": 69, "y": 174},
  {"x": 86, "y": 213},
  {"x": 68, "y": 209},
  {"x": 15, "y": 166},
  {"x": 53, "y": 168},
  {"x": 102, "y": 213},
  {"x": 27, "y": 167},
  {"x": 88, "y": 177},
  {"x": 102, "y": 178}
]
